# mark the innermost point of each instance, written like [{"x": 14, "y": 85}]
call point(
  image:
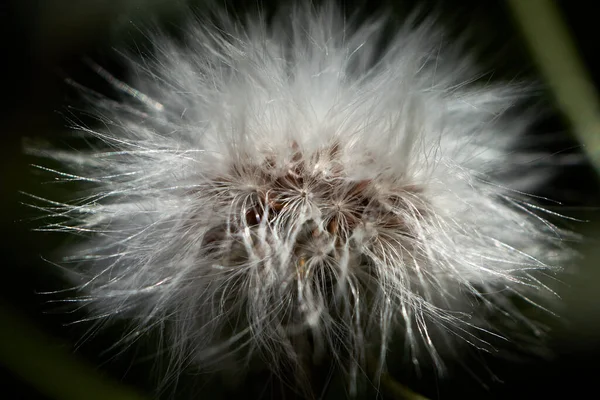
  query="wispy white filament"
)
[{"x": 303, "y": 189}]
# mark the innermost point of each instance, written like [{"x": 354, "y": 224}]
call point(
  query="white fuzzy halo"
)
[{"x": 286, "y": 193}]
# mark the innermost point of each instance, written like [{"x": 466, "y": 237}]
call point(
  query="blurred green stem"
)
[
  {"x": 397, "y": 390},
  {"x": 558, "y": 59},
  {"x": 48, "y": 366}
]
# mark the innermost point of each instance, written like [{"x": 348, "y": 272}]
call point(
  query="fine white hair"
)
[{"x": 306, "y": 187}]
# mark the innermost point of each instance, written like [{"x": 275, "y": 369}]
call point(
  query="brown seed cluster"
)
[{"x": 319, "y": 181}]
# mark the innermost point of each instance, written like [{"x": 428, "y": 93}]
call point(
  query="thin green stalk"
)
[
  {"x": 553, "y": 48},
  {"x": 50, "y": 368}
]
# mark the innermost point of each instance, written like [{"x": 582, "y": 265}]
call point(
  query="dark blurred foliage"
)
[{"x": 47, "y": 40}]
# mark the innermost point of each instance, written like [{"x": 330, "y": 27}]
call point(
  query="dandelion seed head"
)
[{"x": 301, "y": 190}]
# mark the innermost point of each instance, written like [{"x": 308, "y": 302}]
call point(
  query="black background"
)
[{"x": 44, "y": 41}]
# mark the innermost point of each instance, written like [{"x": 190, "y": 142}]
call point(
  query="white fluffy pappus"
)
[{"x": 297, "y": 189}]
